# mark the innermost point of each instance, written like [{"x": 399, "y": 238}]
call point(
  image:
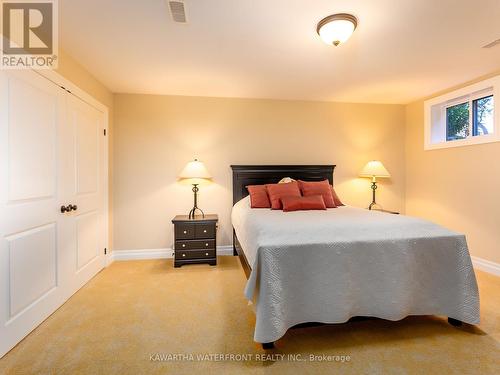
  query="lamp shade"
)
[
  {"x": 195, "y": 171},
  {"x": 374, "y": 168}
]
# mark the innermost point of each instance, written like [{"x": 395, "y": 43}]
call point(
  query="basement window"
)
[{"x": 463, "y": 117}]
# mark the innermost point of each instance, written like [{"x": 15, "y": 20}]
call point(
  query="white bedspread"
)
[{"x": 328, "y": 266}]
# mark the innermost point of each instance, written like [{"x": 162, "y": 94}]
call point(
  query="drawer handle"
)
[
  {"x": 185, "y": 232},
  {"x": 204, "y": 231},
  {"x": 206, "y": 244},
  {"x": 183, "y": 245},
  {"x": 206, "y": 254},
  {"x": 183, "y": 255}
]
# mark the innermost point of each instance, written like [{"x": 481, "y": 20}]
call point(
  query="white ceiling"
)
[{"x": 402, "y": 50}]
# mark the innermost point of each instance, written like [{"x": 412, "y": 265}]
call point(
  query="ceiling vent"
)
[
  {"x": 492, "y": 44},
  {"x": 177, "y": 11}
]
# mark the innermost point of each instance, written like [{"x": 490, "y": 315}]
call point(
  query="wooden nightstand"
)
[{"x": 195, "y": 240}]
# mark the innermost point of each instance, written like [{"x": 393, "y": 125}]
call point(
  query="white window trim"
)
[{"x": 456, "y": 97}]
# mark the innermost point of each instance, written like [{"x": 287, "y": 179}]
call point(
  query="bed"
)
[{"x": 329, "y": 266}]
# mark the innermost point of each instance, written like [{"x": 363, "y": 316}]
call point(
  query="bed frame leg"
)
[
  {"x": 455, "y": 322},
  {"x": 268, "y": 345}
]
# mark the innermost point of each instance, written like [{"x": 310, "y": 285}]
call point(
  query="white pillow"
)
[{"x": 286, "y": 180}]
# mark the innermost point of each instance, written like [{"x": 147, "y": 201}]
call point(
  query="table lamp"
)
[
  {"x": 374, "y": 169},
  {"x": 195, "y": 173}
]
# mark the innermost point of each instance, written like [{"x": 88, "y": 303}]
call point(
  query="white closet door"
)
[
  {"x": 84, "y": 186},
  {"x": 32, "y": 112},
  {"x": 52, "y": 154}
]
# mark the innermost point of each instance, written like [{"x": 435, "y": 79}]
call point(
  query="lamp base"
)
[
  {"x": 374, "y": 188},
  {"x": 374, "y": 206},
  {"x": 193, "y": 212},
  {"x": 195, "y": 204}
]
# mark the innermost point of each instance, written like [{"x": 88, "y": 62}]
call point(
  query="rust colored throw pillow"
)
[
  {"x": 258, "y": 196},
  {"x": 312, "y": 202},
  {"x": 276, "y": 191},
  {"x": 336, "y": 198},
  {"x": 322, "y": 188}
]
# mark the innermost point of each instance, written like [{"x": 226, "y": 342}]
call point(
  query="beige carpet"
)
[{"x": 134, "y": 310}]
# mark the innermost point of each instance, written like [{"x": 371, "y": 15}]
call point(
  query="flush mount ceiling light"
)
[{"x": 337, "y": 28}]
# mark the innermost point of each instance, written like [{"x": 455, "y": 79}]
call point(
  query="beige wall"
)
[
  {"x": 74, "y": 72},
  {"x": 154, "y": 136},
  {"x": 456, "y": 187}
]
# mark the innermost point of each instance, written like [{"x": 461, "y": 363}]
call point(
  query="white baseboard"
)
[
  {"x": 486, "y": 265},
  {"x": 225, "y": 250},
  {"x": 108, "y": 259},
  {"x": 142, "y": 254}
]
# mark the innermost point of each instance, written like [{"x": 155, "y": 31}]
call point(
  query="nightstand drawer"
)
[
  {"x": 194, "y": 245},
  {"x": 195, "y": 239},
  {"x": 204, "y": 231},
  {"x": 184, "y": 231},
  {"x": 194, "y": 254}
]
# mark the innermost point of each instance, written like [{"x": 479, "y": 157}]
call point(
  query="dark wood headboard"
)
[{"x": 244, "y": 175}]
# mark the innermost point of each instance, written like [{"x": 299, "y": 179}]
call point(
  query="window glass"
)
[
  {"x": 483, "y": 115},
  {"x": 457, "y": 122}
]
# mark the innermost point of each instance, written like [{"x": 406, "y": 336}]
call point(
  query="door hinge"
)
[
  {"x": 104, "y": 132},
  {"x": 105, "y": 251}
]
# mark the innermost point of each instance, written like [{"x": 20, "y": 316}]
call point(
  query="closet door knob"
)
[
  {"x": 65, "y": 209},
  {"x": 73, "y": 207}
]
